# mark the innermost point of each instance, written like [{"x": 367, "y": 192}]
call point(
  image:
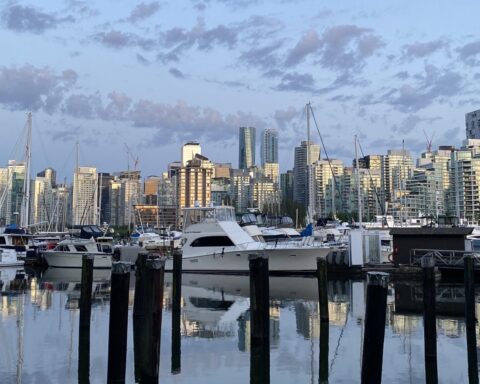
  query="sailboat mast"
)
[
  {"x": 75, "y": 189},
  {"x": 307, "y": 184},
  {"x": 360, "y": 214},
  {"x": 28, "y": 158}
]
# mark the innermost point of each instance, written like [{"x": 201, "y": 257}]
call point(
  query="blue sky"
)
[{"x": 155, "y": 74}]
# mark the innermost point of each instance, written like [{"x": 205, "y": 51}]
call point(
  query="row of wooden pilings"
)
[
  {"x": 147, "y": 320},
  {"x": 375, "y": 316}
]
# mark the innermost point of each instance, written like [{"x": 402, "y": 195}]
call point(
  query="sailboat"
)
[{"x": 15, "y": 242}]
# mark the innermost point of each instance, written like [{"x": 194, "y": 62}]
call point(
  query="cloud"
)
[
  {"x": 299, "y": 82},
  {"x": 178, "y": 40},
  {"x": 142, "y": 59},
  {"x": 182, "y": 121},
  {"x": 117, "y": 107},
  {"x": 402, "y": 75},
  {"x": 264, "y": 57},
  {"x": 469, "y": 53},
  {"x": 30, "y": 88},
  {"x": 81, "y": 106},
  {"x": 345, "y": 47},
  {"x": 411, "y": 122},
  {"x": 20, "y": 18},
  {"x": 235, "y": 4},
  {"x": 432, "y": 85},
  {"x": 419, "y": 50},
  {"x": 176, "y": 73},
  {"x": 117, "y": 40},
  {"x": 309, "y": 43},
  {"x": 143, "y": 11}
]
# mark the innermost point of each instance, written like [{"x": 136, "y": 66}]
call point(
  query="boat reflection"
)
[
  {"x": 216, "y": 306},
  {"x": 68, "y": 280}
]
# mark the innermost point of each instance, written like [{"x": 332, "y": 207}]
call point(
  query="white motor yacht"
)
[
  {"x": 68, "y": 253},
  {"x": 212, "y": 241},
  {"x": 8, "y": 258}
]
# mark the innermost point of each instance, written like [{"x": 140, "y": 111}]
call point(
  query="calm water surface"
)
[{"x": 39, "y": 330}]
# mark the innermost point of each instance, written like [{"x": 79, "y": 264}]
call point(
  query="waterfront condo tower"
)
[
  {"x": 269, "y": 147},
  {"x": 246, "y": 148},
  {"x": 472, "y": 124}
]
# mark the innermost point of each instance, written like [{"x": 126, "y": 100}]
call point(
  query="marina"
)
[{"x": 239, "y": 191}]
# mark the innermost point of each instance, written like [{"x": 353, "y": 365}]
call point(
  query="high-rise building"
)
[
  {"x": 305, "y": 155},
  {"x": 263, "y": 193},
  {"x": 397, "y": 169},
  {"x": 85, "y": 196},
  {"x": 246, "y": 148},
  {"x": 472, "y": 124},
  {"x": 464, "y": 192},
  {"x": 222, "y": 170},
  {"x": 269, "y": 146},
  {"x": 272, "y": 172},
  {"x": 240, "y": 189},
  {"x": 43, "y": 204},
  {"x": 194, "y": 182},
  {"x": 116, "y": 218},
  {"x": 189, "y": 150},
  {"x": 150, "y": 189},
  {"x": 286, "y": 185},
  {"x": 327, "y": 186},
  {"x": 104, "y": 180},
  {"x": 12, "y": 187},
  {"x": 130, "y": 195}
]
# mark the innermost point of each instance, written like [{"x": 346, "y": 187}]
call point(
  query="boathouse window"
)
[
  {"x": 80, "y": 248},
  {"x": 212, "y": 241}
]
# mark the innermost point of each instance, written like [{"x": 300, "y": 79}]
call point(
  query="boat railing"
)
[
  {"x": 442, "y": 257},
  {"x": 308, "y": 241}
]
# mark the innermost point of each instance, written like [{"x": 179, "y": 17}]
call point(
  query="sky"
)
[{"x": 132, "y": 80}]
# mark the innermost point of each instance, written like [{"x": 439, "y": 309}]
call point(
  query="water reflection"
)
[{"x": 39, "y": 330}]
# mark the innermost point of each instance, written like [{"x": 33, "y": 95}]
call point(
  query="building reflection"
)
[{"x": 13, "y": 283}]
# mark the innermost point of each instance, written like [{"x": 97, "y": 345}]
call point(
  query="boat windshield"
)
[{"x": 199, "y": 215}]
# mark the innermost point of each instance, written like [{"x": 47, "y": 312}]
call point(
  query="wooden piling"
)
[
  {"x": 259, "y": 319},
  {"x": 154, "y": 279},
  {"x": 86, "y": 291},
  {"x": 324, "y": 318},
  {"x": 470, "y": 320},
  {"x": 429, "y": 319},
  {"x": 176, "y": 312},
  {"x": 84, "y": 322},
  {"x": 374, "y": 333},
  {"x": 139, "y": 313},
  {"x": 118, "y": 324}
]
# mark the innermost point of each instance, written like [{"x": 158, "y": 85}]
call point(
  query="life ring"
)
[{"x": 390, "y": 257}]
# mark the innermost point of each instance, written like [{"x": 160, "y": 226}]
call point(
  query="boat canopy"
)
[{"x": 199, "y": 215}]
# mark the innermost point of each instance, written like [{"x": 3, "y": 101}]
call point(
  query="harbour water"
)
[{"x": 39, "y": 330}]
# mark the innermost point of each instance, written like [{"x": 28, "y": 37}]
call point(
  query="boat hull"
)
[
  {"x": 287, "y": 260},
  {"x": 74, "y": 260}
]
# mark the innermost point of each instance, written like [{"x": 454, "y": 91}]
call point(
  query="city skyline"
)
[{"x": 162, "y": 80}]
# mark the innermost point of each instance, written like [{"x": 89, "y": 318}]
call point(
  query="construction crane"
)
[
  {"x": 429, "y": 140},
  {"x": 131, "y": 156}
]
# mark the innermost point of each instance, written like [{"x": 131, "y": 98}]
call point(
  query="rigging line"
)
[
  {"x": 335, "y": 354},
  {"x": 382, "y": 208},
  {"x": 42, "y": 144},
  {"x": 19, "y": 143},
  {"x": 328, "y": 158},
  {"x": 66, "y": 162}
]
